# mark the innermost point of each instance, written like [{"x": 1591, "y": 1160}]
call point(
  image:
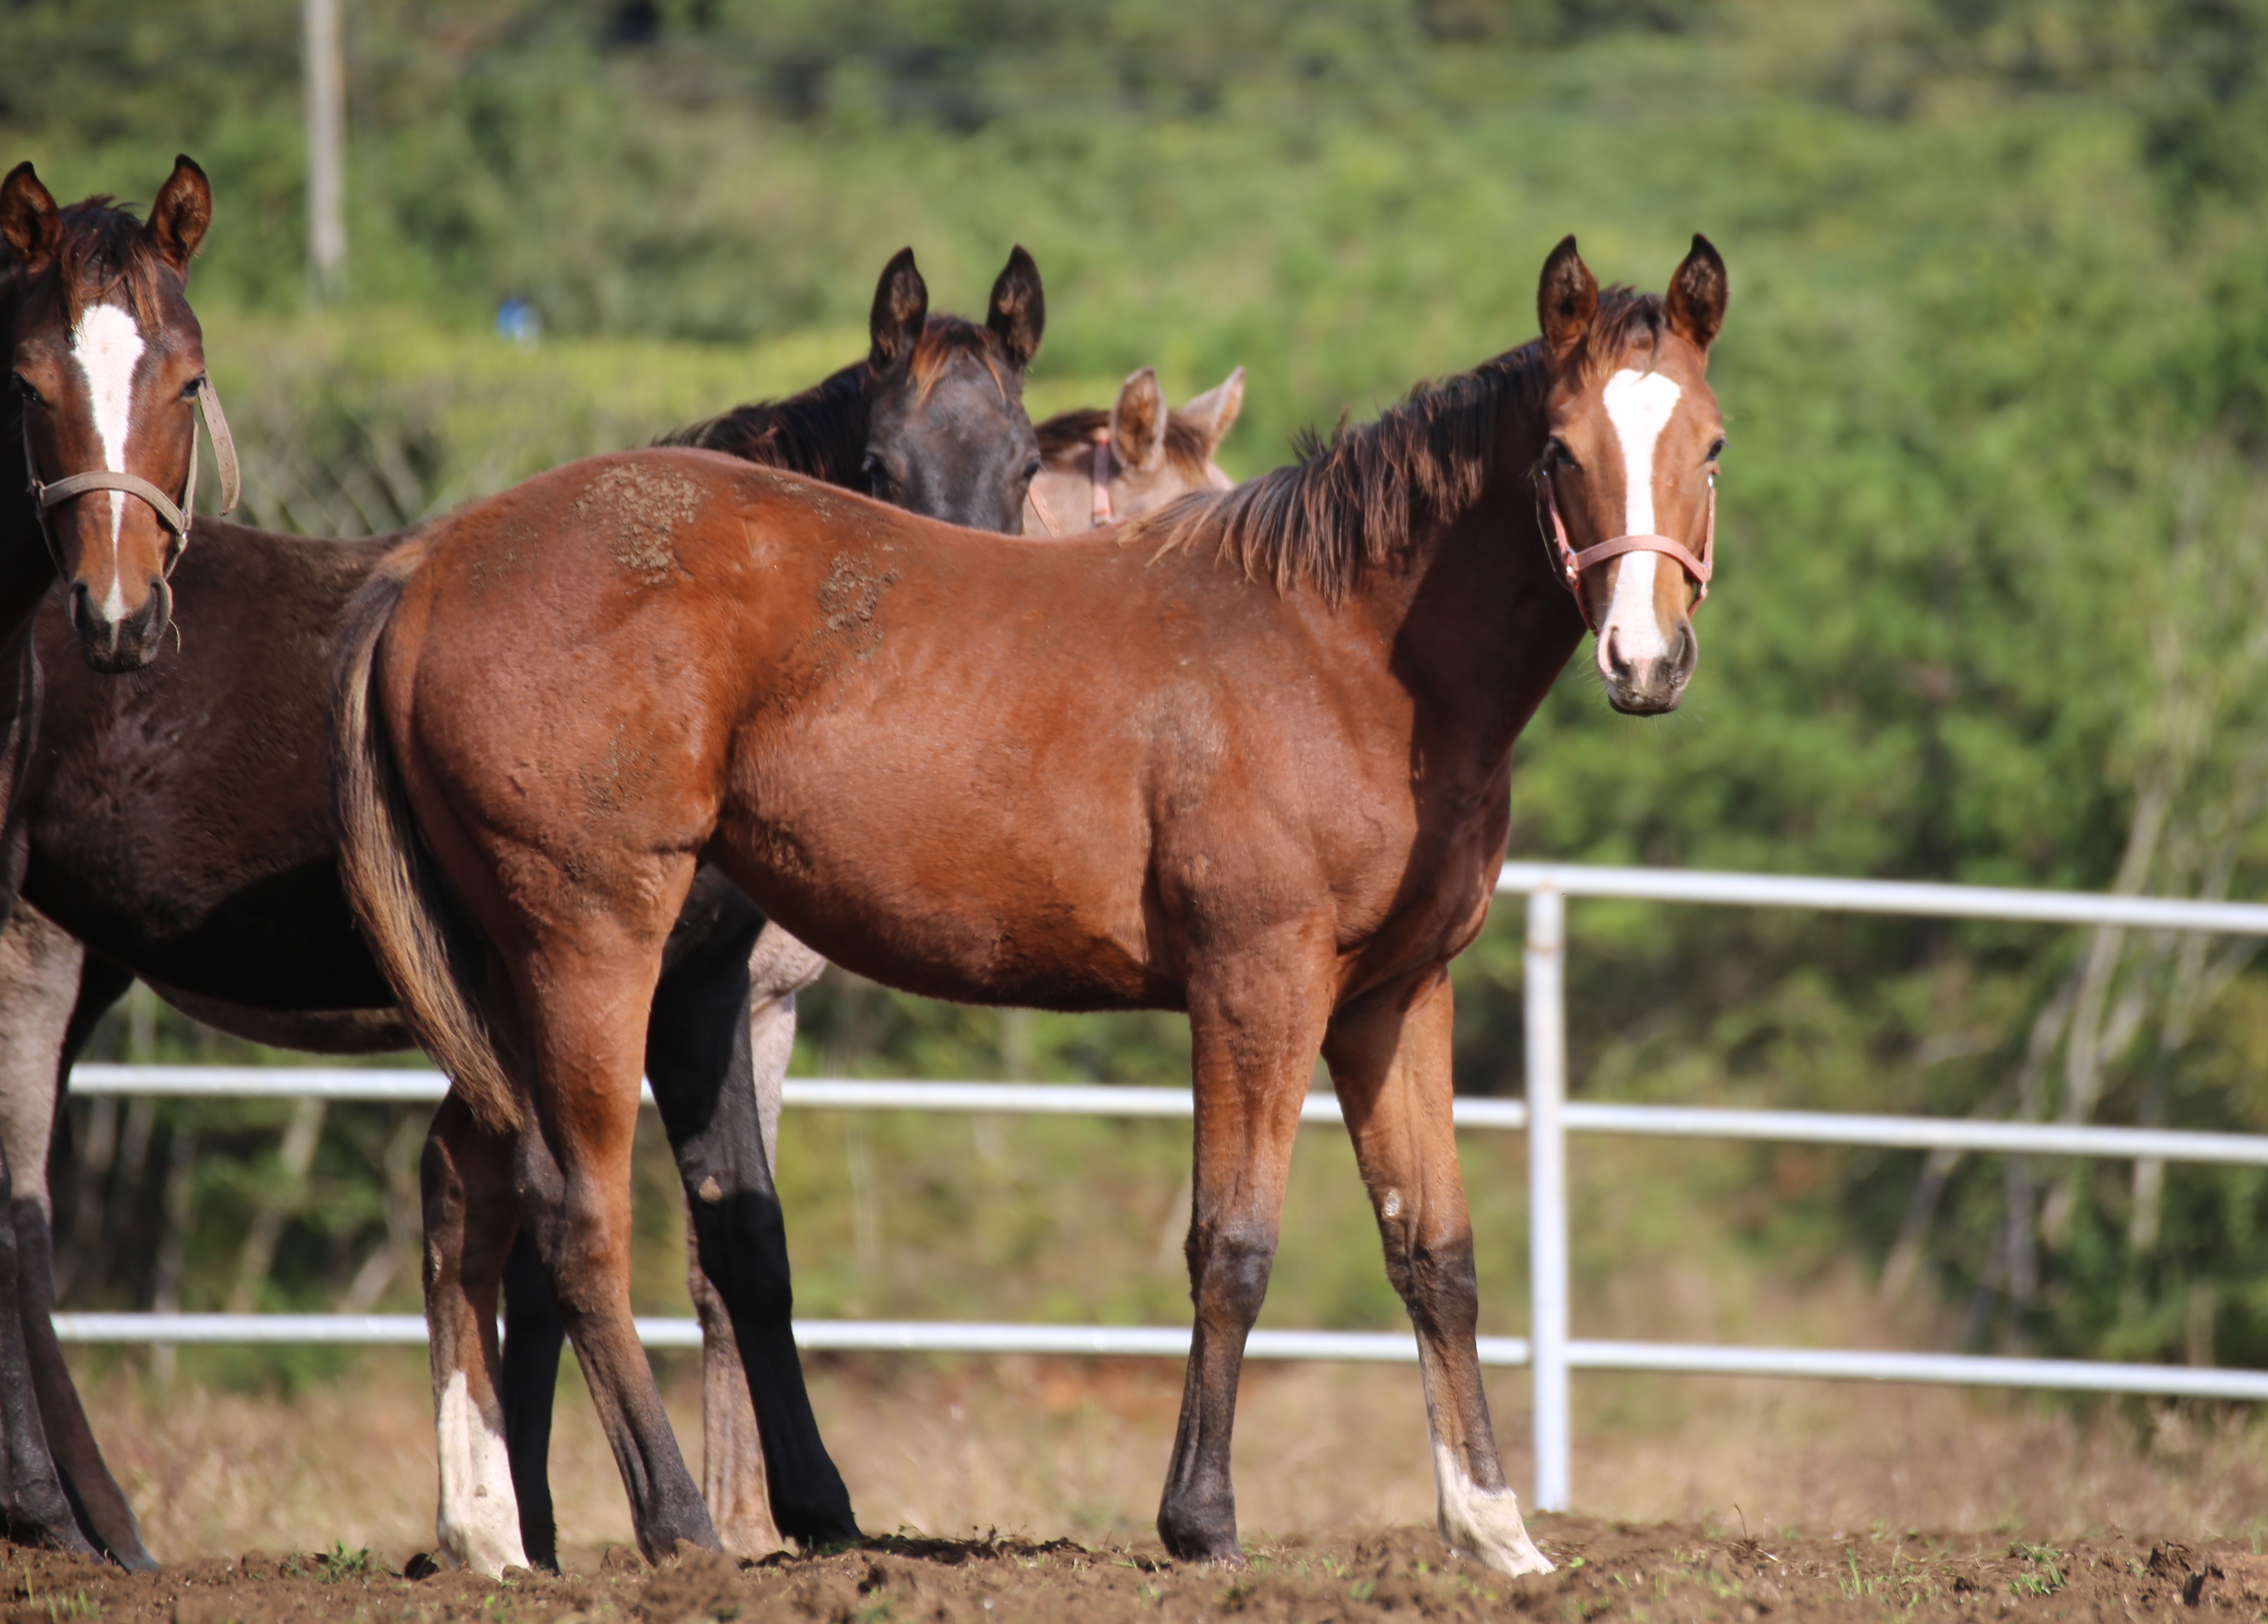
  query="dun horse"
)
[
  {"x": 1248, "y": 758},
  {"x": 1099, "y": 467},
  {"x": 177, "y": 824}
]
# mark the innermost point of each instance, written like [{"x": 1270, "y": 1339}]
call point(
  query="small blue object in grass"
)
[{"x": 517, "y": 321}]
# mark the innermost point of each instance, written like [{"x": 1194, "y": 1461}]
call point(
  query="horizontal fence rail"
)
[{"x": 1546, "y": 1116}]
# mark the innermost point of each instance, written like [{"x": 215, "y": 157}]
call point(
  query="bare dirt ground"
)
[
  {"x": 1607, "y": 1571},
  {"x": 1710, "y": 1500}
]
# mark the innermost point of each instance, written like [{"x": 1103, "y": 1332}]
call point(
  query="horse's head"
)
[
  {"x": 1629, "y": 474},
  {"x": 1133, "y": 459},
  {"x": 109, "y": 373},
  {"x": 946, "y": 433}
]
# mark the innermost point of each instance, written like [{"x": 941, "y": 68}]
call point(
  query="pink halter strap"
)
[
  {"x": 1105, "y": 464},
  {"x": 1573, "y": 563},
  {"x": 1100, "y": 511}
]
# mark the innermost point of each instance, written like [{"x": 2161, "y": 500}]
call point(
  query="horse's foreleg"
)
[
  {"x": 39, "y": 983},
  {"x": 585, "y": 1010},
  {"x": 51, "y": 1010},
  {"x": 1389, "y": 1060},
  {"x": 1252, "y": 1032},
  {"x": 718, "y": 1046},
  {"x": 470, "y": 1220}
]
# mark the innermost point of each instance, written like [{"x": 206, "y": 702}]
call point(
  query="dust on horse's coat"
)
[
  {"x": 1248, "y": 757},
  {"x": 180, "y": 826}
]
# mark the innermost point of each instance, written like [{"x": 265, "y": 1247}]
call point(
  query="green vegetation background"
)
[{"x": 1990, "y": 602}]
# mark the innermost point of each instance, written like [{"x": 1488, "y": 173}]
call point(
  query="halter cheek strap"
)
[
  {"x": 1105, "y": 464},
  {"x": 177, "y": 520},
  {"x": 1573, "y": 563}
]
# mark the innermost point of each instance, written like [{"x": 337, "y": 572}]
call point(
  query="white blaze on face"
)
[
  {"x": 106, "y": 344},
  {"x": 1640, "y": 405}
]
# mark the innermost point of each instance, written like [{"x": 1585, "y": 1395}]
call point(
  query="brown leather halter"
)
[
  {"x": 49, "y": 494},
  {"x": 1573, "y": 563},
  {"x": 1099, "y": 512}
]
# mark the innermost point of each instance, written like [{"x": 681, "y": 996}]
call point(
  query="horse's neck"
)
[
  {"x": 26, "y": 567},
  {"x": 1481, "y": 624}
]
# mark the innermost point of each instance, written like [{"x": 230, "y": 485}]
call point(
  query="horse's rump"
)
[{"x": 412, "y": 926}]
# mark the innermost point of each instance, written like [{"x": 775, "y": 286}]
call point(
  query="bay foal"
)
[
  {"x": 1248, "y": 758},
  {"x": 177, "y": 824}
]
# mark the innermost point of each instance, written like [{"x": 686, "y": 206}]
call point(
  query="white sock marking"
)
[
  {"x": 1484, "y": 1523},
  {"x": 1640, "y": 405},
  {"x": 107, "y": 345},
  {"x": 479, "y": 1524}
]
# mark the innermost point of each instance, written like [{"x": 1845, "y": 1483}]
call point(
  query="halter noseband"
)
[
  {"x": 1573, "y": 563},
  {"x": 1099, "y": 512},
  {"x": 177, "y": 520}
]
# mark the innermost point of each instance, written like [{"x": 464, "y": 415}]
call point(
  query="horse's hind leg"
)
[
  {"x": 39, "y": 983},
  {"x": 470, "y": 1219},
  {"x": 533, "y": 1337},
  {"x": 734, "y": 1481},
  {"x": 709, "y": 1054},
  {"x": 1389, "y": 1060},
  {"x": 1253, "y": 1028},
  {"x": 585, "y": 1007}
]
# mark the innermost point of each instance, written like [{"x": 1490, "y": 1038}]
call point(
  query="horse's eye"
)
[
  {"x": 1557, "y": 455},
  {"x": 23, "y": 388},
  {"x": 1032, "y": 470},
  {"x": 1716, "y": 449},
  {"x": 190, "y": 390}
]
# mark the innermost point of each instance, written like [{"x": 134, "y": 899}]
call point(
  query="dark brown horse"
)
[
  {"x": 1248, "y": 758},
  {"x": 105, "y": 394},
  {"x": 176, "y": 824}
]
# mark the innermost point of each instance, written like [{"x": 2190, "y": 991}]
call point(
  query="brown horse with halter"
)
[
  {"x": 1248, "y": 758},
  {"x": 177, "y": 822},
  {"x": 108, "y": 390}
]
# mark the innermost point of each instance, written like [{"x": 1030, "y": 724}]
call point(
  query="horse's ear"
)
[
  {"x": 1695, "y": 304},
  {"x": 30, "y": 223},
  {"x": 177, "y": 219},
  {"x": 1019, "y": 312},
  {"x": 1567, "y": 298},
  {"x": 901, "y": 310},
  {"x": 1137, "y": 422},
  {"x": 1215, "y": 411}
]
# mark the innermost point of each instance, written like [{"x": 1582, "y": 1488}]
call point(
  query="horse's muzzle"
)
[
  {"x": 130, "y": 642},
  {"x": 1649, "y": 686}
]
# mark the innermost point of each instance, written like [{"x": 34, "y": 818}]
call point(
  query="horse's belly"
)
[{"x": 946, "y": 884}]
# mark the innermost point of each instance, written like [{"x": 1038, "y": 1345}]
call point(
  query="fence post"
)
[{"x": 1547, "y": 1192}]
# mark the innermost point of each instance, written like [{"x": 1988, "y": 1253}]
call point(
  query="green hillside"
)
[{"x": 1993, "y": 562}]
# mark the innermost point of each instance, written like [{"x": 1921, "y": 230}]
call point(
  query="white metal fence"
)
[{"x": 1547, "y": 1115}]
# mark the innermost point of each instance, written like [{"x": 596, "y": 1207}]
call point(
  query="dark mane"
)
[
  {"x": 820, "y": 433},
  {"x": 1359, "y": 497},
  {"x": 103, "y": 249},
  {"x": 945, "y": 337},
  {"x": 1070, "y": 434}
]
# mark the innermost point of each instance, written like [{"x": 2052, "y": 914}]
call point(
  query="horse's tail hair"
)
[{"x": 421, "y": 940}]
